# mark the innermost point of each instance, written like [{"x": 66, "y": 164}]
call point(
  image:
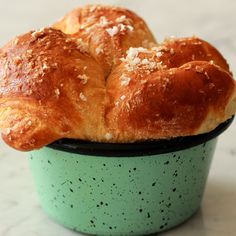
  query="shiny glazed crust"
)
[
  {"x": 105, "y": 79},
  {"x": 108, "y": 31}
]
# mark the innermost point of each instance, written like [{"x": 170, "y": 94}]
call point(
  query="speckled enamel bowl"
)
[{"x": 123, "y": 189}]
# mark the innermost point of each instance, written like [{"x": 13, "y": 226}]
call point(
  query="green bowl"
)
[{"x": 123, "y": 189}]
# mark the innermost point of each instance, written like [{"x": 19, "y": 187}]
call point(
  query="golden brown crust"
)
[
  {"x": 167, "y": 92},
  {"x": 169, "y": 103},
  {"x": 176, "y": 52},
  {"x": 48, "y": 86},
  {"x": 108, "y": 31},
  {"x": 53, "y": 85}
]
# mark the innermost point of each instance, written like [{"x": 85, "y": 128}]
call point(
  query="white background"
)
[{"x": 214, "y": 21}]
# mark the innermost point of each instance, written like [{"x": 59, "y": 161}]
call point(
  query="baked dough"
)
[{"x": 99, "y": 75}]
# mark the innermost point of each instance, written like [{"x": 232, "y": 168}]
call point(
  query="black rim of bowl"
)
[{"x": 138, "y": 148}]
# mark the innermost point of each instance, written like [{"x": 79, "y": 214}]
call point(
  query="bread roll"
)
[
  {"x": 105, "y": 79},
  {"x": 108, "y": 31}
]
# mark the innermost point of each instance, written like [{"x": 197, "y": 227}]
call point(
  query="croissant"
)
[{"x": 99, "y": 75}]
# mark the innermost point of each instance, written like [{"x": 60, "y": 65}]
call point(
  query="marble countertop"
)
[{"x": 213, "y": 20}]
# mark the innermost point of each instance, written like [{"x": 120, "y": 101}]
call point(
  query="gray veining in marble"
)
[{"x": 213, "y": 20}]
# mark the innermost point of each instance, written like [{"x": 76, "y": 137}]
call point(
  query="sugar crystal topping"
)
[
  {"x": 130, "y": 27},
  {"x": 84, "y": 78},
  {"x": 172, "y": 51},
  {"x": 16, "y": 41},
  {"x": 120, "y": 24},
  {"x": 121, "y": 19},
  {"x": 82, "y": 97},
  {"x": 133, "y": 60},
  {"x": 112, "y": 31},
  {"x": 99, "y": 49},
  {"x": 103, "y": 21},
  {"x": 206, "y": 74},
  {"x": 81, "y": 45},
  {"x": 159, "y": 54},
  {"x": 124, "y": 80},
  {"x": 199, "y": 69},
  {"x": 123, "y": 97},
  {"x": 36, "y": 34},
  {"x": 57, "y": 92}
]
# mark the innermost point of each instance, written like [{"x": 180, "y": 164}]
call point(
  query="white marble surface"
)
[{"x": 215, "y": 21}]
